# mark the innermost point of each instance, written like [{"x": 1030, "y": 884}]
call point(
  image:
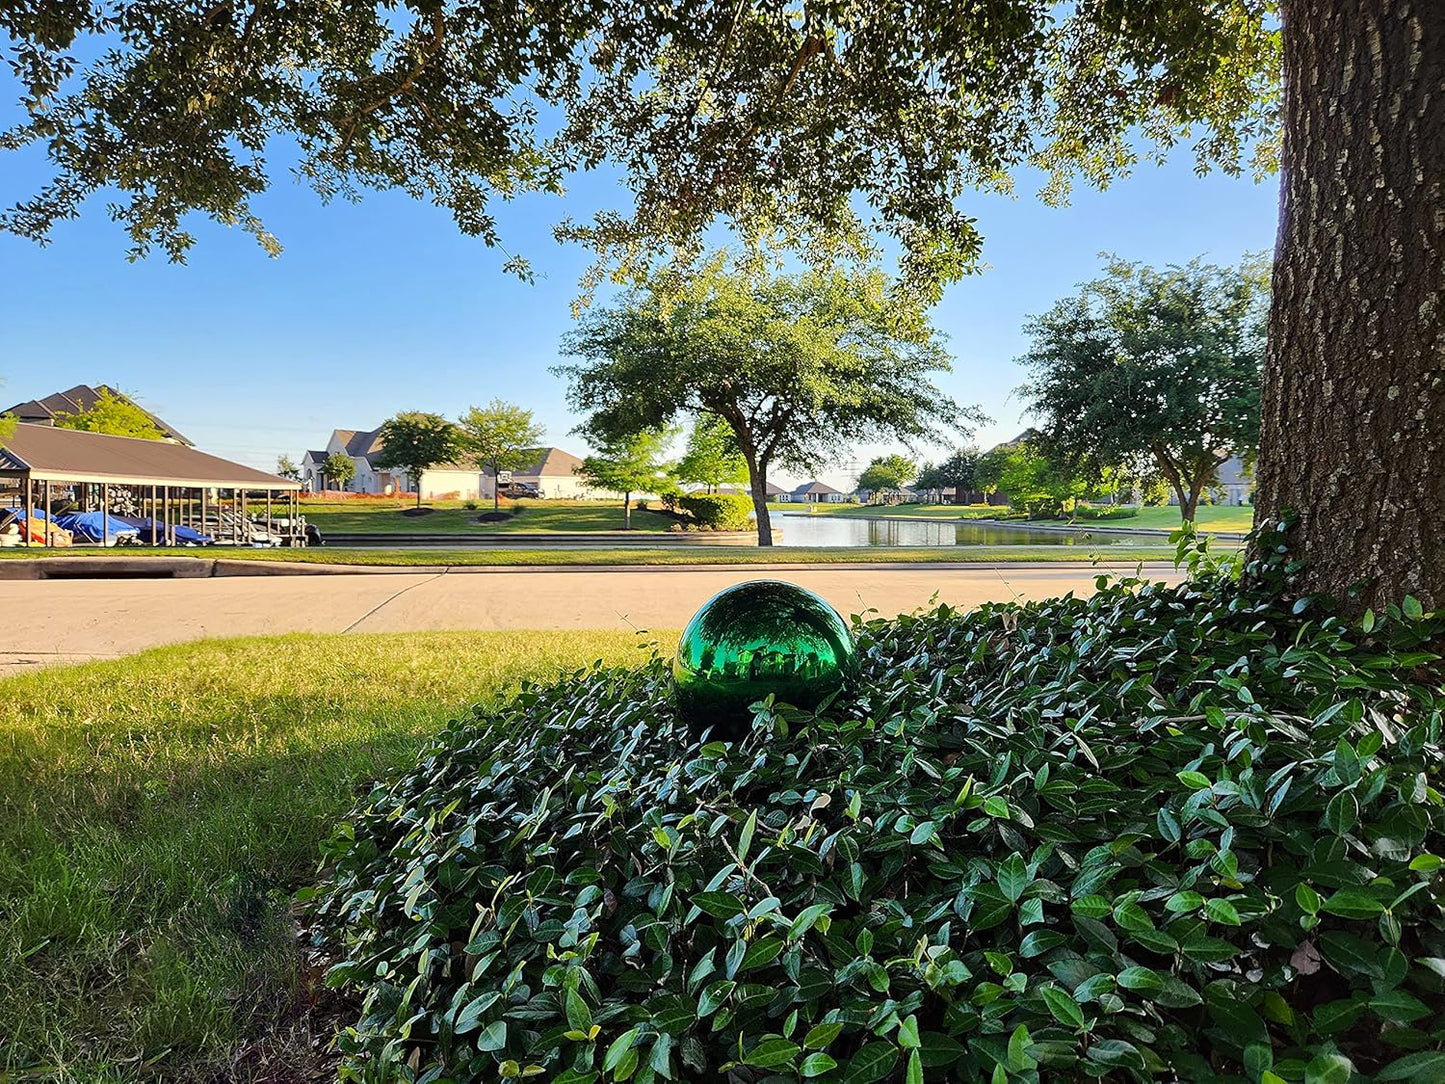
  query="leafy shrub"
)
[
  {"x": 470, "y": 506},
  {"x": 718, "y": 511},
  {"x": 1182, "y": 832},
  {"x": 1106, "y": 511}
]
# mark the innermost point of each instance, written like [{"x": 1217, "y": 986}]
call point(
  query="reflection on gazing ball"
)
[{"x": 756, "y": 638}]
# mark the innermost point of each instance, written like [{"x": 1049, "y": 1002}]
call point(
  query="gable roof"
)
[
  {"x": 314, "y": 456},
  {"x": 48, "y": 453},
  {"x": 814, "y": 489},
  {"x": 546, "y": 463},
  {"x": 78, "y": 399}
]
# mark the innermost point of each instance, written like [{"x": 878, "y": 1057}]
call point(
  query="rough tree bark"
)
[{"x": 1353, "y": 428}]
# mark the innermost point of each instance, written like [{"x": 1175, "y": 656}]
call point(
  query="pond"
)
[{"x": 824, "y": 529}]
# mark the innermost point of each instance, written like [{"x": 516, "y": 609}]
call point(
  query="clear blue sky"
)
[{"x": 384, "y": 305}]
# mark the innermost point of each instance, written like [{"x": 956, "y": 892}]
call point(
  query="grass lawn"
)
[
  {"x": 674, "y": 555},
  {"x": 157, "y": 812},
  {"x": 384, "y": 516}
]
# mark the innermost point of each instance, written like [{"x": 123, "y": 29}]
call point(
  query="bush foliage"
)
[
  {"x": 1186, "y": 832},
  {"x": 718, "y": 511},
  {"x": 1106, "y": 511}
]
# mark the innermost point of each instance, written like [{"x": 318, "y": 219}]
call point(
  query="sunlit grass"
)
[{"x": 157, "y": 812}]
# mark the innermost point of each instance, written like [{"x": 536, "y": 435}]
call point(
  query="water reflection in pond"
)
[{"x": 824, "y": 529}]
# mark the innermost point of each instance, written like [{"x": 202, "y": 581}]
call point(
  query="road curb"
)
[{"x": 169, "y": 568}]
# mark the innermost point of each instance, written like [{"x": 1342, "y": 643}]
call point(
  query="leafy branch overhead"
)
[{"x": 775, "y": 118}]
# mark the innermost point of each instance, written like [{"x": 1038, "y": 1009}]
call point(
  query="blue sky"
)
[{"x": 384, "y": 305}]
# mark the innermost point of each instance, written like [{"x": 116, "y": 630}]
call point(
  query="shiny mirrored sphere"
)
[{"x": 756, "y": 638}]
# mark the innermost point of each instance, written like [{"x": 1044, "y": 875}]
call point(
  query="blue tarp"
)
[
  {"x": 90, "y": 526},
  {"x": 151, "y": 531}
]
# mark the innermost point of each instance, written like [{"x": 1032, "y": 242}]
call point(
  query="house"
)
[
  {"x": 81, "y": 398},
  {"x": 554, "y": 474},
  {"x": 816, "y": 492},
  {"x": 362, "y": 446},
  {"x": 1236, "y": 483}
]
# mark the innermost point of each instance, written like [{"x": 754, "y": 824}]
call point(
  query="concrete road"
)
[{"x": 57, "y": 621}]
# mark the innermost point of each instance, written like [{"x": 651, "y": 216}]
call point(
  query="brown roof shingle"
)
[{"x": 70, "y": 455}]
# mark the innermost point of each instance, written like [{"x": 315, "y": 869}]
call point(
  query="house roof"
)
[
  {"x": 77, "y": 399},
  {"x": 546, "y": 463},
  {"x": 69, "y": 455},
  {"x": 814, "y": 489},
  {"x": 314, "y": 456}
]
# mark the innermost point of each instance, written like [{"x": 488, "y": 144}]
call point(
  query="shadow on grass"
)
[{"x": 157, "y": 814}]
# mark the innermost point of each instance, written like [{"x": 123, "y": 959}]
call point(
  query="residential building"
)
[
  {"x": 816, "y": 492},
  {"x": 553, "y": 472},
  {"x": 363, "y": 446},
  {"x": 81, "y": 398}
]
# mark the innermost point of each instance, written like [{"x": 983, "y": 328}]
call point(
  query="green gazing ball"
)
[{"x": 756, "y": 638}]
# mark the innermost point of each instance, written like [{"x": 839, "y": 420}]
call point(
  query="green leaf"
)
[
  {"x": 1140, "y": 978},
  {"x": 1168, "y": 824},
  {"x": 772, "y": 1053},
  {"x": 1426, "y": 863},
  {"x": 1353, "y": 903},
  {"x": 1329, "y": 1069},
  {"x": 908, "y": 1034},
  {"x": 806, "y": 919},
  {"x": 493, "y": 1037},
  {"x": 1194, "y": 780},
  {"x": 990, "y": 907},
  {"x": 1065, "y": 1009},
  {"x": 1347, "y": 764},
  {"x": 820, "y": 1035},
  {"x": 579, "y": 1016},
  {"x": 620, "y": 1046},
  {"x": 470, "y": 1017},
  {"x": 923, "y": 832},
  {"x": 1013, "y": 877},
  {"x": 874, "y": 1062},
  {"x": 719, "y": 904},
  {"x": 1184, "y": 901},
  {"x": 745, "y": 841},
  {"x": 1424, "y": 1067},
  {"x": 1412, "y": 608},
  {"x": 1222, "y": 912},
  {"x": 995, "y": 807},
  {"x": 914, "y": 1075},
  {"x": 1307, "y": 898},
  {"x": 1341, "y": 813},
  {"x": 1091, "y": 906},
  {"x": 816, "y": 1065}
]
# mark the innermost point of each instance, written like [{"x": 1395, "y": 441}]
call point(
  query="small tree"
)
[
  {"x": 886, "y": 474},
  {"x": 1045, "y": 487},
  {"x": 988, "y": 472},
  {"x": 628, "y": 465},
  {"x": 113, "y": 414},
  {"x": 712, "y": 457},
  {"x": 500, "y": 435},
  {"x": 340, "y": 468},
  {"x": 1154, "y": 372},
  {"x": 286, "y": 468},
  {"x": 798, "y": 366},
  {"x": 415, "y": 441}
]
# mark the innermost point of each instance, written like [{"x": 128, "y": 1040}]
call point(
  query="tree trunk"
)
[
  {"x": 758, "y": 485},
  {"x": 1352, "y": 434},
  {"x": 496, "y": 488},
  {"x": 627, "y": 511}
]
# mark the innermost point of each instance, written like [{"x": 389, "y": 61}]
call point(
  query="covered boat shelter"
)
[{"x": 176, "y": 488}]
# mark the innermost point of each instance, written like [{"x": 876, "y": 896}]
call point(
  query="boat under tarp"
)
[
  {"x": 153, "y": 531},
  {"x": 93, "y": 527}
]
